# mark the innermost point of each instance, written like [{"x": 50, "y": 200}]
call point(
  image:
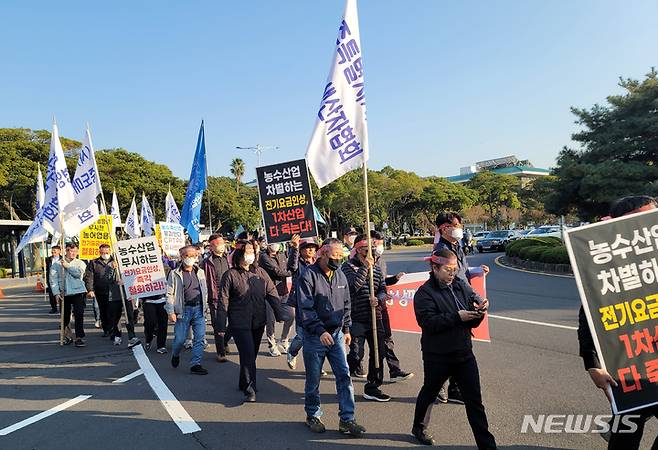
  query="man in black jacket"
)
[
  {"x": 215, "y": 265},
  {"x": 275, "y": 263},
  {"x": 324, "y": 299},
  {"x": 99, "y": 279},
  {"x": 356, "y": 271},
  {"x": 600, "y": 377},
  {"x": 55, "y": 254},
  {"x": 447, "y": 309}
]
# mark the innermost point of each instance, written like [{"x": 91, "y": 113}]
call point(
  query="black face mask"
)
[{"x": 333, "y": 264}]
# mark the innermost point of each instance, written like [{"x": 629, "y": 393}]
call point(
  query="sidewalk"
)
[{"x": 18, "y": 282}]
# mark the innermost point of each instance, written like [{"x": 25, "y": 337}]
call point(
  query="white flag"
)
[
  {"x": 115, "y": 212},
  {"x": 41, "y": 193},
  {"x": 87, "y": 186},
  {"x": 148, "y": 219},
  {"x": 131, "y": 226},
  {"x": 59, "y": 195},
  {"x": 173, "y": 215},
  {"x": 340, "y": 139}
]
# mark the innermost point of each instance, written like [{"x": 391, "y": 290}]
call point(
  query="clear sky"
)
[{"x": 448, "y": 83}]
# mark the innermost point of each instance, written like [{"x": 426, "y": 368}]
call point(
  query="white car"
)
[{"x": 546, "y": 231}]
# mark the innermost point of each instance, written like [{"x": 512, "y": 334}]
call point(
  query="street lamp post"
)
[{"x": 258, "y": 150}]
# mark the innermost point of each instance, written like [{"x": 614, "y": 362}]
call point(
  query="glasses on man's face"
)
[{"x": 450, "y": 270}]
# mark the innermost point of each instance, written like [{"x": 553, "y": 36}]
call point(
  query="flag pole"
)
[
  {"x": 371, "y": 274},
  {"x": 63, "y": 281}
]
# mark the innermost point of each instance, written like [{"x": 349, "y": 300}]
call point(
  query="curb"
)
[{"x": 500, "y": 264}]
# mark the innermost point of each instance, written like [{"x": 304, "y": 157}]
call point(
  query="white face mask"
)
[
  {"x": 189, "y": 261},
  {"x": 249, "y": 259},
  {"x": 379, "y": 250},
  {"x": 457, "y": 233},
  {"x": 105, "y": 256}
]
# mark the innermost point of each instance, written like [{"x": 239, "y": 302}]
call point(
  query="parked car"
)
[
  {"x": 496, "y": 240},
  {"x": 478, "y": 236},
  {"x": 546, "y": 231}
]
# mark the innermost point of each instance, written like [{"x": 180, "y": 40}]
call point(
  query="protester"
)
[
  {"x": 245, "y": 289},
  {"x": 447, "y": 309},
  {"x": 187, "y": 300},
  {"x": 275, "y": 263},
  {"x": 324, "y": 299},
  {"x": 600, "y": 377},
  {"x": 156, "y": 321},
  {"x": 98, "y": 279},
  {"x": 356, "y": 271},
  {"x": 302, "y": 254},
  {"x": 66, "y": 277},
  {"x": 349, "y": 236},
  {"x": 117, "y": 301},
  {"x": 215, "y": 265},
  {"x": 451, "y": 229},
  {"x": 55, "y": 253}
]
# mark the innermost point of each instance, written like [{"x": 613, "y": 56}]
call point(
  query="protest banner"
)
[
  {"x": 615, "y": 263},
  {"x": 93, "y": 236},
  {"x": 141, "y": 266},
  {"x": 171, "y": 237},
  {"x": 401, "y": 303},
  {"x": 286, "y": 202}
]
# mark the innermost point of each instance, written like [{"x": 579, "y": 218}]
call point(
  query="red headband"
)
[{"x": 442, "y": 260}]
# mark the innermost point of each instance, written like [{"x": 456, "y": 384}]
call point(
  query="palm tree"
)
[{"x": 237, "y": 170}]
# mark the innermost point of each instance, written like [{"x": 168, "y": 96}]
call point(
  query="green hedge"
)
[
  {"x": 413, "y": 242},
  {"x": 549, "y": 250}
]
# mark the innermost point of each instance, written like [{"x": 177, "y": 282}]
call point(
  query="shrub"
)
[
  {"x": 514, "y": 248},
  {"x": 532, "y": 253},
  {"x": 555, "y": 255},
  {"x": 413, "y": 242}
]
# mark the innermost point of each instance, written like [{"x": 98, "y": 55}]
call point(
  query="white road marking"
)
[
  {"x": 129, "y": 377},
  {"x": 533, "y": 322},
  {"x": 171, "y": 404},
  {"x": 43, "y": 415}
]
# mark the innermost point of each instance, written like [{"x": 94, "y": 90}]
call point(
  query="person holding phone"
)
[{"x": 447, "y": 309}]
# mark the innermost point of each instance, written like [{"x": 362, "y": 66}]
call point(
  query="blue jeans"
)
[
  {"x": 314, "y": 355},
  {"x": 297, "y": 342},
  {"x": 192, "y": 317}
]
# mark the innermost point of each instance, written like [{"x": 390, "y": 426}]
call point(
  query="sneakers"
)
[
  {"x": 133, "y": 342},
  {"x": 162, "y": 350},
  {"x": 358, "y": 373},
  {"x": 97, "y": 324},
  {"x": 324, "y": 373},
  {"x": 423, "y": 436},
  {"x": 443, "y": 395},
  {"x": 292, "y": 361},
  {"x": 79, "y": 342},
  {"x": 188, "y": 344},
  {"x": 315, "y": 424},
  {"x": 274, "y": 351},
  {"x": 377, "y": 396},
  {"x": 198, "y": 370},
  {"x": 117, "y": 340},
  {"x": 401, "y": 376},
  {"x": 175, "y": 360},
  {"x": 351, "y": 427},
  {"x": 68, "y": 341},
  {"x": 221, "y": 359},
  {"x": 454, "y": 396},
  {"x": 283, "y": 345},
  {"x": 249, "y": 398}
]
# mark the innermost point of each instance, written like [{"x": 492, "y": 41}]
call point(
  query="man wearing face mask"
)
[
  {"x": 451, "y": 230},
  {"x": 447, "y": 309},
  {"x": 324, "y": 298},
  {"x": 187, "y": 300},
  {"x": 99, "y": 278},
  {"x": 56, "y": 252},
  {"x": 275, "y": 263},
  {"x": 215, "y": 265},
  {"x": 66, "y": 276},
  {"x": 356, "y": 271},
  {"x": 349, "y": 236}
]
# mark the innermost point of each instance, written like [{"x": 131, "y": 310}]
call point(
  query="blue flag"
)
[{"x": 191, "y": 216}]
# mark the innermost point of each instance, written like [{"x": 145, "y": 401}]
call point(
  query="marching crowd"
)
[{"x": 327, "y": 311}]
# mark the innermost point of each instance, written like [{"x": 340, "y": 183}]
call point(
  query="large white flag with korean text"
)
[{"x": 340, "y": 139}]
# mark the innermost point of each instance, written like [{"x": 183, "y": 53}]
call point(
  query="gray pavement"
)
[{"x": 526, "y": 369}]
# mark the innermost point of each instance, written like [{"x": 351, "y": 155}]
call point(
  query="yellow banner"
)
[{"x": 93, "y": 236}]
